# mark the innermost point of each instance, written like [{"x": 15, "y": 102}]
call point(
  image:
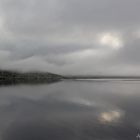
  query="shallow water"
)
[{"x": 71, "y": 110}]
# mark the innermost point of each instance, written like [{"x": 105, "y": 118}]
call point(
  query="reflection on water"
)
[{"x": 71, "y": 111}]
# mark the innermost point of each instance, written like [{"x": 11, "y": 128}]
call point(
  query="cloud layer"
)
[{"x": 70, "y": 37}]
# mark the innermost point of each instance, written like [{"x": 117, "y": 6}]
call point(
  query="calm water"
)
[{"x": 71, "y": 110}]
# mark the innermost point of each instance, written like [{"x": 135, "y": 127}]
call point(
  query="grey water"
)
[{"x": 71, "y": 110}]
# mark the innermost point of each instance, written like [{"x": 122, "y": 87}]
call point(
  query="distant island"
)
[{"x": 12, "y": 77}]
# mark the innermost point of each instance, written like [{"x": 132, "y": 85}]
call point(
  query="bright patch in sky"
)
[{"x": 110, "y": 39}]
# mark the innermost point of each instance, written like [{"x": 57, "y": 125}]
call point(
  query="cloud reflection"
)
[{"x": 110, "y": 116}]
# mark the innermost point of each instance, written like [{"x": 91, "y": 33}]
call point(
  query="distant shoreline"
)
[
  {"x": 102, "y": 77},
  {"x": 11, "y": 77}
]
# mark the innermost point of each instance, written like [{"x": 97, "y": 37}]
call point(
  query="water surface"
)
[{"x": 71, "y": 110}]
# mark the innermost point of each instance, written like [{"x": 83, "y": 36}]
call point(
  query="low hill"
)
[{"x": 11, "y": 77}]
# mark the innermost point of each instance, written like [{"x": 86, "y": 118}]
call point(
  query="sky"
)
[{"x": 84, "y": 37}]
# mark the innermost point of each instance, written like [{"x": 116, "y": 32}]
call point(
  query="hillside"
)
[{"x": 11, "y": 77}]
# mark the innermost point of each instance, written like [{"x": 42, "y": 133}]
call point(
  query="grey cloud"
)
[
  {"x": 32, "y": 17},
  {"x": 131, "y": 53},
  {"x": 55, "y": 35},
  {"x": 105, "y": 13},
  {"x": 37, "y": 16},
  {"x": 128, "y": 55}
]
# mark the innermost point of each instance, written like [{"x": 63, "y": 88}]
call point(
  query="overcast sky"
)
[{"x": 70, "y": 36}]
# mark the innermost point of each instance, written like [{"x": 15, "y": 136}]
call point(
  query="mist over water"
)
[{"x": 71, "y": 110}]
